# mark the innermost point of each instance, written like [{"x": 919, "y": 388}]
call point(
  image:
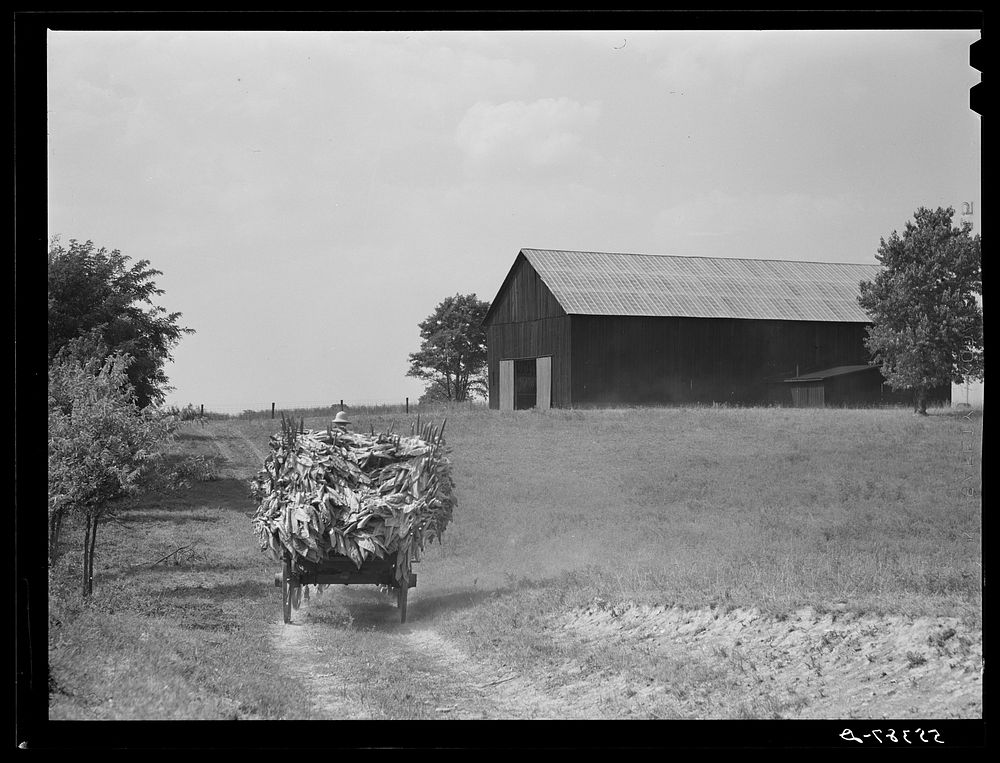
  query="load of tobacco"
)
[{"x": 333, "y": 492}]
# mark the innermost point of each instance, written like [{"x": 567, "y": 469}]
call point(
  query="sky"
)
[{"x": 311, "y": 197}]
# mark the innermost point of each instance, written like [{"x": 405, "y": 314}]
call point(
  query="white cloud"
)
[
  {"x": 708, "y": 63},
  {"x": 544, "y": 133},
  {"x": 719, "y": 213}
]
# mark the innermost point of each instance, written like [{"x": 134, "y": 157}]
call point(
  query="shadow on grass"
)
[
  {"x": 173, "y": 461},
  {"x": 169, "y": 568},
  {"x": 242, "y": 589},
  {"x": 429, "y": 607},
  {"x": 200, "y": 436},
  {"x": 167, "y": 515},
  {"x": 227, "y": 494},
  {"x": 192, "y": 436},
  {"x": 367, "y": 608}
]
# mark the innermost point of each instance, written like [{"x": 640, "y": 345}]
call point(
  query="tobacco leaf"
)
[{"x": 353, "y": 495}]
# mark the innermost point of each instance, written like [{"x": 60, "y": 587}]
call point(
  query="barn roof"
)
[
  {"x": 830, "y": 373},
  {"x": 603, "y": 283}
]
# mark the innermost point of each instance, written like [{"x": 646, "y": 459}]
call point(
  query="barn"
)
[{"x": 583, "y": 329}]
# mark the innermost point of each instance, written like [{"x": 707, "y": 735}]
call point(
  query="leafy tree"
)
[
  {"x": 452, "y": 355},
  {"x": 927, "y": 323},
  {"x": 99, "y": 305},
  {"x": 435, "y": 392},
  {"x": 101, "y": 446}
]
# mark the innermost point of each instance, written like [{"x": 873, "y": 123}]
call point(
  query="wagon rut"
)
[{"x": 445, "y": 682}]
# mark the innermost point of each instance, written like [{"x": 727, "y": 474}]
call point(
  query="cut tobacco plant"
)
[{"x": 328, "y": 492}]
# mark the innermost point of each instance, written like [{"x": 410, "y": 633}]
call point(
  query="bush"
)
[
  {"x": 187, "y": 413},
  {"x": 101, "y": 445}
]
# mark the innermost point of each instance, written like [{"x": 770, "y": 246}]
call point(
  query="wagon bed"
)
[{"x": 339, "y": 570}]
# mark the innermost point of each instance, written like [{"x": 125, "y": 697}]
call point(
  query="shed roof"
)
[
  {"x": 828, "y": 373},
  {"x": 604, "y": 283}
]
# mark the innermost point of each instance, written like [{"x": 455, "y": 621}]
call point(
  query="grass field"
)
[{"x": 865, "y": 511}]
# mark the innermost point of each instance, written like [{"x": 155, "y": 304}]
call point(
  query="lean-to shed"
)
[
  {"x": 840, "y": 386},
  {"x": 570, "y": 328}
]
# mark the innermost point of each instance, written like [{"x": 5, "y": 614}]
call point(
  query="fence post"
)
[
  {"x": 407, "y": 405},
  {"x": 341, "y": 404},
  {"x": 203, "y": 410},
  {"x": 272, "y": 410}
]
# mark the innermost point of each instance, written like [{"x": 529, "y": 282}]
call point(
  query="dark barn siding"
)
[
  {"x": 863, "y": 388},
  {"x": 639, "y": 360},
  {"x": 526, "y": 297},
  {"x": 868, "y": 388},
  {"x": 531, "y": 339},
  {"x": 527, "y": 322}
]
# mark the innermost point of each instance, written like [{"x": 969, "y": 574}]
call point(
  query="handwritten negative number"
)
[{"x": 848, "y": 736}]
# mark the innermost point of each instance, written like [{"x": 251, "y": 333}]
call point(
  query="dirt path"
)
[
  {"x": 445, "y": 680},
  {"x": 480, "y": 691},
  {"x": 312, "y": 662},
  {"x": 236, "y": 450}
]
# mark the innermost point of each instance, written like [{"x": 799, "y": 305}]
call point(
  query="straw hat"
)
[{"x": 341, "y": 418}]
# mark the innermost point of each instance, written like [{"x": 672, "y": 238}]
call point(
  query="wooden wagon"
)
[{"x": 339, "y": 570}]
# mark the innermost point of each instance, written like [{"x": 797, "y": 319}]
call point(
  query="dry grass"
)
[
  {"x": 772, "y": 508},
  {"x": 766, "y": 508}
]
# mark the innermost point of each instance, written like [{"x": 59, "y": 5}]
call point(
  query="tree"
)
[
  {"x": 101, "y": 446},
  {"x": 927, "y": 323},
  {"x": 99, "y": 305},
  {"x": 452, "y": 355}
]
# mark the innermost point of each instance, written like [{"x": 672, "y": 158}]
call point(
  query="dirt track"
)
[
  {"x": 455, "y": 686},
  {"x": 804, "y": 666}
]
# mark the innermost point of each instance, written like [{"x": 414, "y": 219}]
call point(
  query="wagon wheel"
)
[
  {"x": 402, "y": 589},
  {"x": 286, "y": 589},
  {"x": 401, "y": 593}
]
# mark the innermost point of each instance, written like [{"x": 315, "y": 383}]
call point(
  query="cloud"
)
[
  {"x": 717, "y": 63},
  {"x": 826, "y": 227},
  {"x": 544, "y": 133},
  {"x": 720, "y": 214}
]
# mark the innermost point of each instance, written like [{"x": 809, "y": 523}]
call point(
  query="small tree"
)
[
  {"x": 452, "y": 355},
  {"x": 99, "y": 304},
  {"x": 927, "y": 324},
  {"x": 101, "y": 444}
]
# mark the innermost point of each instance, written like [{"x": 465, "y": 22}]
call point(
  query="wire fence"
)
[{"x": 314, "y": 408}]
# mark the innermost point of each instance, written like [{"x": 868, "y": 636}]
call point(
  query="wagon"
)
[{"x": 340, "y": 570}]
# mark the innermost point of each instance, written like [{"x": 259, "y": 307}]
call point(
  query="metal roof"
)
[
  {"x": 603, "y": 283},
  {"x": 828, "y": 373}
]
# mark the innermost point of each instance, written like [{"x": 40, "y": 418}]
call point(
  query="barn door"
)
[
  {"x": 525, "y": 388},
  {"x": 506, "y": 385},
  {"x": 543, "y": 382}
]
